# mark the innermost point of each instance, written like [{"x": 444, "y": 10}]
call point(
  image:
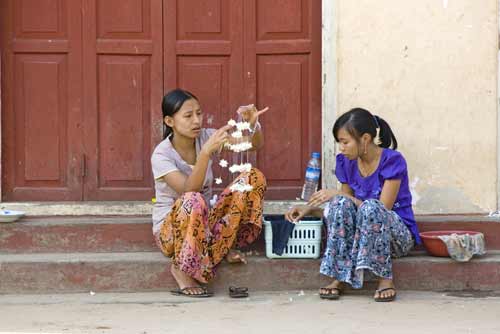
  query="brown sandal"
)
[
  {"x": 331, "y": 293},
  {"x": 385, "y": 299},
  {"x": 183, "y": 292},
  {"x": 238, "y": 292}
]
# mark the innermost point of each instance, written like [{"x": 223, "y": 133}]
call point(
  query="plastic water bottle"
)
[{"x": 313, "y": 172}]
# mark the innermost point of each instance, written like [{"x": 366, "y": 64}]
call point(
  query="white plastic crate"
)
[{"x": 304, "y": 243}]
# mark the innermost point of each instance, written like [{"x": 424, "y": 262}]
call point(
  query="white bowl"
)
[{"x": 9, "y": 216}]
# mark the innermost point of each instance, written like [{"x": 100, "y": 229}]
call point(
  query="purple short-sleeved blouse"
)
[{"x": 392, "y": 166}]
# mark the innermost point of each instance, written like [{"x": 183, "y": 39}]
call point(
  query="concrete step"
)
[
  {"x": 148, "y": 271},
  {"x": 73, "y": 234},
  {"x": 77, "y": 234}
]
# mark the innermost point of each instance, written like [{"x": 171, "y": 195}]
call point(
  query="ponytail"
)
[
  {"x": 386, "y": 136},
  {"x": 167, "y": 130}
]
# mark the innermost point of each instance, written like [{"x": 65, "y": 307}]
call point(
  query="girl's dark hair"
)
[
  {"x": 171, "y": 104},
  {"x": 359, "y": 121}
]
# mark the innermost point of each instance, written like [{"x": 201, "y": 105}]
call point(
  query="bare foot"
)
[
  {"x": 388, "y": 284},
  {"x": 334, "y": 285},
  {"x": 185, "y": 281},
  {"x": 235, "y": 256}
]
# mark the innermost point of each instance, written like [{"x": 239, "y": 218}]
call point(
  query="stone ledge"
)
[
  {"x": 140, "y": 208},
  {"x": 126, "y": 208}
]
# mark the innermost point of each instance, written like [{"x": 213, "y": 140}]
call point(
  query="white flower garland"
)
[{"x": 241, "y": 185}]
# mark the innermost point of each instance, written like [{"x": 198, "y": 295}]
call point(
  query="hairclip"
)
[{"x": 377, "y": 140}]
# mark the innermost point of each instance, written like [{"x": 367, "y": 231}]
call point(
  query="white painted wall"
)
[{"x": 430, "y": 68}]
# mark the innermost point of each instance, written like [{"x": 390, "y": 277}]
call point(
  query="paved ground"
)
[{"x": 289, "y": 312}]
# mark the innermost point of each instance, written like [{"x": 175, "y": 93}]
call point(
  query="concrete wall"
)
[{"x": 429, "y": 67}]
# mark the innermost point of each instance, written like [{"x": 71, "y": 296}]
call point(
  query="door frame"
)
[{"x": 329, "y": 86}]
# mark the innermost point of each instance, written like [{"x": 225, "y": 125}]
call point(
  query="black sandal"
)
[
  {"x": 331, "y": 293},
  {"x": 183, "y": 292},
  {"x": 238, "y": 292},
  {"x": 385, "y": 299}
]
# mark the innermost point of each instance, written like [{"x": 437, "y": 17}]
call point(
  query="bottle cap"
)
[{"x": 316, "y": 155}]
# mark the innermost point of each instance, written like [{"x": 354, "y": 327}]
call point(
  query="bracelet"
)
[{"x": 256, "y": 127}]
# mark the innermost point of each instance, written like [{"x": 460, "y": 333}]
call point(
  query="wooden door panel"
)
[
  {"x": 124, "y": 123},
  {"x": 283, "y": 20},
  {"x": 283, "y": 67},
  {"x": 203, "y": 20},
  {"x": 43, "y": 19},
  {"x": 279, "y": 77},
  {"x": 123, "y": 91},
  {"x": 41, "y": 95},
  {"x": 41, "y": 124}
]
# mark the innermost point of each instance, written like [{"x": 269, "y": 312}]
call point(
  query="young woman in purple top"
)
[{"x": 370, "y": 219}]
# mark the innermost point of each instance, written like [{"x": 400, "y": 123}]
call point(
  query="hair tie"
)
[{"x": 377, "y": 140}]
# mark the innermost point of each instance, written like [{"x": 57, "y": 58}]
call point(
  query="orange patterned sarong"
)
[{"x": 197, "y": 238}]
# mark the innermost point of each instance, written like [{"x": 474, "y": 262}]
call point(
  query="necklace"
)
[{"x": 369, "y": 168}]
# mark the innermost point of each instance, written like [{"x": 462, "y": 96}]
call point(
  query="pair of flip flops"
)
[
  {"x": 330, "y": 293},
  {"x": 238, "y": 292},
  {"x": 334, "y": 294},
  {"x": 385, "y": 299},
  {"x": 234, "y": 292},
  {"x": 184, "y": 292}
]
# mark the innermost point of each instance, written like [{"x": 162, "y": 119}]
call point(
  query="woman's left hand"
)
[
  {"x": 250, "y": 113},
  {"x": 322, "y": 196}
]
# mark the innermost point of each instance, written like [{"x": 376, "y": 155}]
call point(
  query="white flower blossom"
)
[
  {"x": 231, "y": 122},
  {"x": 241, "y": 187},
  {"x": 237, "y": 134},
  {"x": 240, "y": 168},
  {"x": 241, "y": 126},
  {"x": 240, "y": 147},
  {"x": 223, "y": 163},
  {"x": 218, "y": 180},
  {"x": 213, "y": 200}
]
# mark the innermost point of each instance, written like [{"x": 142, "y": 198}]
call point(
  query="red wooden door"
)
[
  {"x": 122, "y": 96},
  {"x": 83, "y": 81},
  {"x": 233, "y": 52},
  {"x": 41, "y": 84}
]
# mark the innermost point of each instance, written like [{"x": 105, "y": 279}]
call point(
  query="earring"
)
[{"x": 365, "y": 149}]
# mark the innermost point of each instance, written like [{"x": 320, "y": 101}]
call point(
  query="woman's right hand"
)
[
  {"x": 216, "y": 140},
  {"x": 296, "y": 213}
]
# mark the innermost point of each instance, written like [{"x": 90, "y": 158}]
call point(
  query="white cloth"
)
[{"x": 462, "y": 247}]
